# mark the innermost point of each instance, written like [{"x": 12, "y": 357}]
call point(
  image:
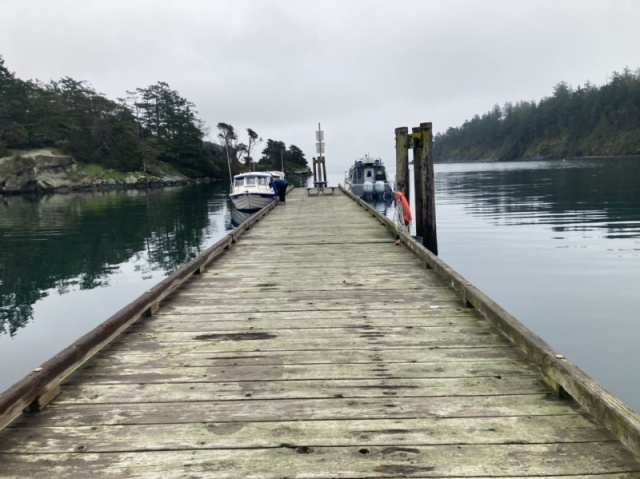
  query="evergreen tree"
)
[
  {"x": 571, "y": 122},
  {"x": 151, "y": 125}
]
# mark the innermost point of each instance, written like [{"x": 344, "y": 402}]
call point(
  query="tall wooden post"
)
[
  {"x": 425, "y": 186},
  {"x": 324, "y": 171},
  {"x": 315, "y": 171},
  {"x": 416, "y": 143},
  {"x": 319, "y": 170},
  {"x": 402, "y": 161}
]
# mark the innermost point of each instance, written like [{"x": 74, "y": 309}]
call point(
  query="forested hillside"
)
[
  {"x": 585, "y": 121},
  {"x": 150, "y": 127}
]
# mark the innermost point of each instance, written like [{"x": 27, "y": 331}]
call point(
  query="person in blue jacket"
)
[{"x": 280, "y": 188}]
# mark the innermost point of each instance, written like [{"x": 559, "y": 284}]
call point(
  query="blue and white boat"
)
[{"x": 251, "y": 192}]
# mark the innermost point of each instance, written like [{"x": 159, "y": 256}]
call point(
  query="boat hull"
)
[
  {"x": 360, "y": 190},
  {"x": 248, "y": 202}
]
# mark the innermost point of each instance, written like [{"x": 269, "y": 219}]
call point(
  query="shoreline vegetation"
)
[
  {"x": 583, "y": 122},
  {"x": 65, "y": 135}
]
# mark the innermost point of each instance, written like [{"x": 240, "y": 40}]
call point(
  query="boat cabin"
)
[
  {"x": 368, "y": 170},
  {"x": 251, "y": 179}
]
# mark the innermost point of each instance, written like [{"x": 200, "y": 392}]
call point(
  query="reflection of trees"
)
[
  {"x": 585, "y": 195},
  {"x": 72, "y": 241}
]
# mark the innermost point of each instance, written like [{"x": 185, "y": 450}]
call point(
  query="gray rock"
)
[
  {"x": 23, "y": 173},
  {"x": 41, "y": 170}
]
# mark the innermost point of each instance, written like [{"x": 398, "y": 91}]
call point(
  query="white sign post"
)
[{"x": 319, "y": 141}]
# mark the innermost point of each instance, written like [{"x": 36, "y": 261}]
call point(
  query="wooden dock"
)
[{"x": 317, "y": 348}]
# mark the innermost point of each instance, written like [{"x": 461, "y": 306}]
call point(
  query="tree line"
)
[
  {"x": 572, "y": 122},
  {"x": 149, "y": 127}
]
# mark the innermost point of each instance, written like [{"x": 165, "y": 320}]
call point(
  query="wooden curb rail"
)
[
  {"x": 40, "y": 387},
  {"x": 563, "y": 377}
]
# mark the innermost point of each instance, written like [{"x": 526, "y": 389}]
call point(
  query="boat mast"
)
[{"x": 226, "y": 149}]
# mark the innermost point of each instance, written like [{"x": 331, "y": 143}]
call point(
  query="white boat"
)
[
  {"x": 367, "y": 178},
  {"x": 251, "y": 192}
]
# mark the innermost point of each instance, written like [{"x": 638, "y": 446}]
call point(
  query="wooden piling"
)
[
  {"x": 319, "y": 170},
  {"x": 425, "y": 186},
  {"x": 403, "y": 182},
  {"x": 416, "y": 143}
]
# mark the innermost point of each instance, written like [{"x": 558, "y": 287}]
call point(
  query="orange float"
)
[{"x": 406, "y": 209}]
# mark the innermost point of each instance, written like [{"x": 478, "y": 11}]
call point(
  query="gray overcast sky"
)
[{"x": 360, "y": 67}]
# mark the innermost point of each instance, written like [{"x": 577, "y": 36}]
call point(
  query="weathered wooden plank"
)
[
  {"x": 289, "y": 460},
  {"x": 308, "y": 284},
  {"x": 317, "y": 317},
  {"x": 312, "y": 409},
  {"x": 437, "y": 318},
  {"x": 123, "y": 353},
  {"x": 185, "y": 355},
  {"x": 296, "y": 281},
  {"x": 150, "y": 344},
  {"x": 209, "y": 332},
  {"x": 89, "y": 392},
  {"x": 314, "y": 261},
  {"x": 239, "y": 341},
  {"x": 416, "y": 277},
  {"x": 359, "y": 249},
  {"x": 327, "y": 293},
  {"x": 342, "y": 304},
  {"x": 201, "y": 296},
  {"x": 252, "y": 333},
  {"x": 189, "y": 323},
  {"x": 381, "y": 432},
  {"x": 214, "y": 372},
  {"x": 331, "y": 268}
]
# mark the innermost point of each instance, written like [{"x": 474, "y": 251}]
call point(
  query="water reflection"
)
[
  {"x": 588, "y": 195},
  {"x": 238, "y": 217},
  {"x": 61, "y": 243},
  {"x": 383, "y": 206},
  {"x": 557, "y": 244}
]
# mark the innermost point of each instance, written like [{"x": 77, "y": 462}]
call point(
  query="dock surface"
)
[{"x": 314, "y": 348}]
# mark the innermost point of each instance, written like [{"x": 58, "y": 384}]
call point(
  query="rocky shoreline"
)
[{"x": 43, "y": 171}]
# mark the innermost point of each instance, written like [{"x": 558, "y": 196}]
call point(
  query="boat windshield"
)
[{"x": 251, "y": 181}]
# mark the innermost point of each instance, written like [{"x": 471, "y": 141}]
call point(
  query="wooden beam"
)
[{"x": 402, "y": 161}]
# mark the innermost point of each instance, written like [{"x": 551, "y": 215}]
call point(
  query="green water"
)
[{"x": 68, "y": 262}]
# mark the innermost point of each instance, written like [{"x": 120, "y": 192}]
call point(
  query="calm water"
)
[
  {"x": 68, "y": 262},
  {"x": 557, "y": 244}
]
